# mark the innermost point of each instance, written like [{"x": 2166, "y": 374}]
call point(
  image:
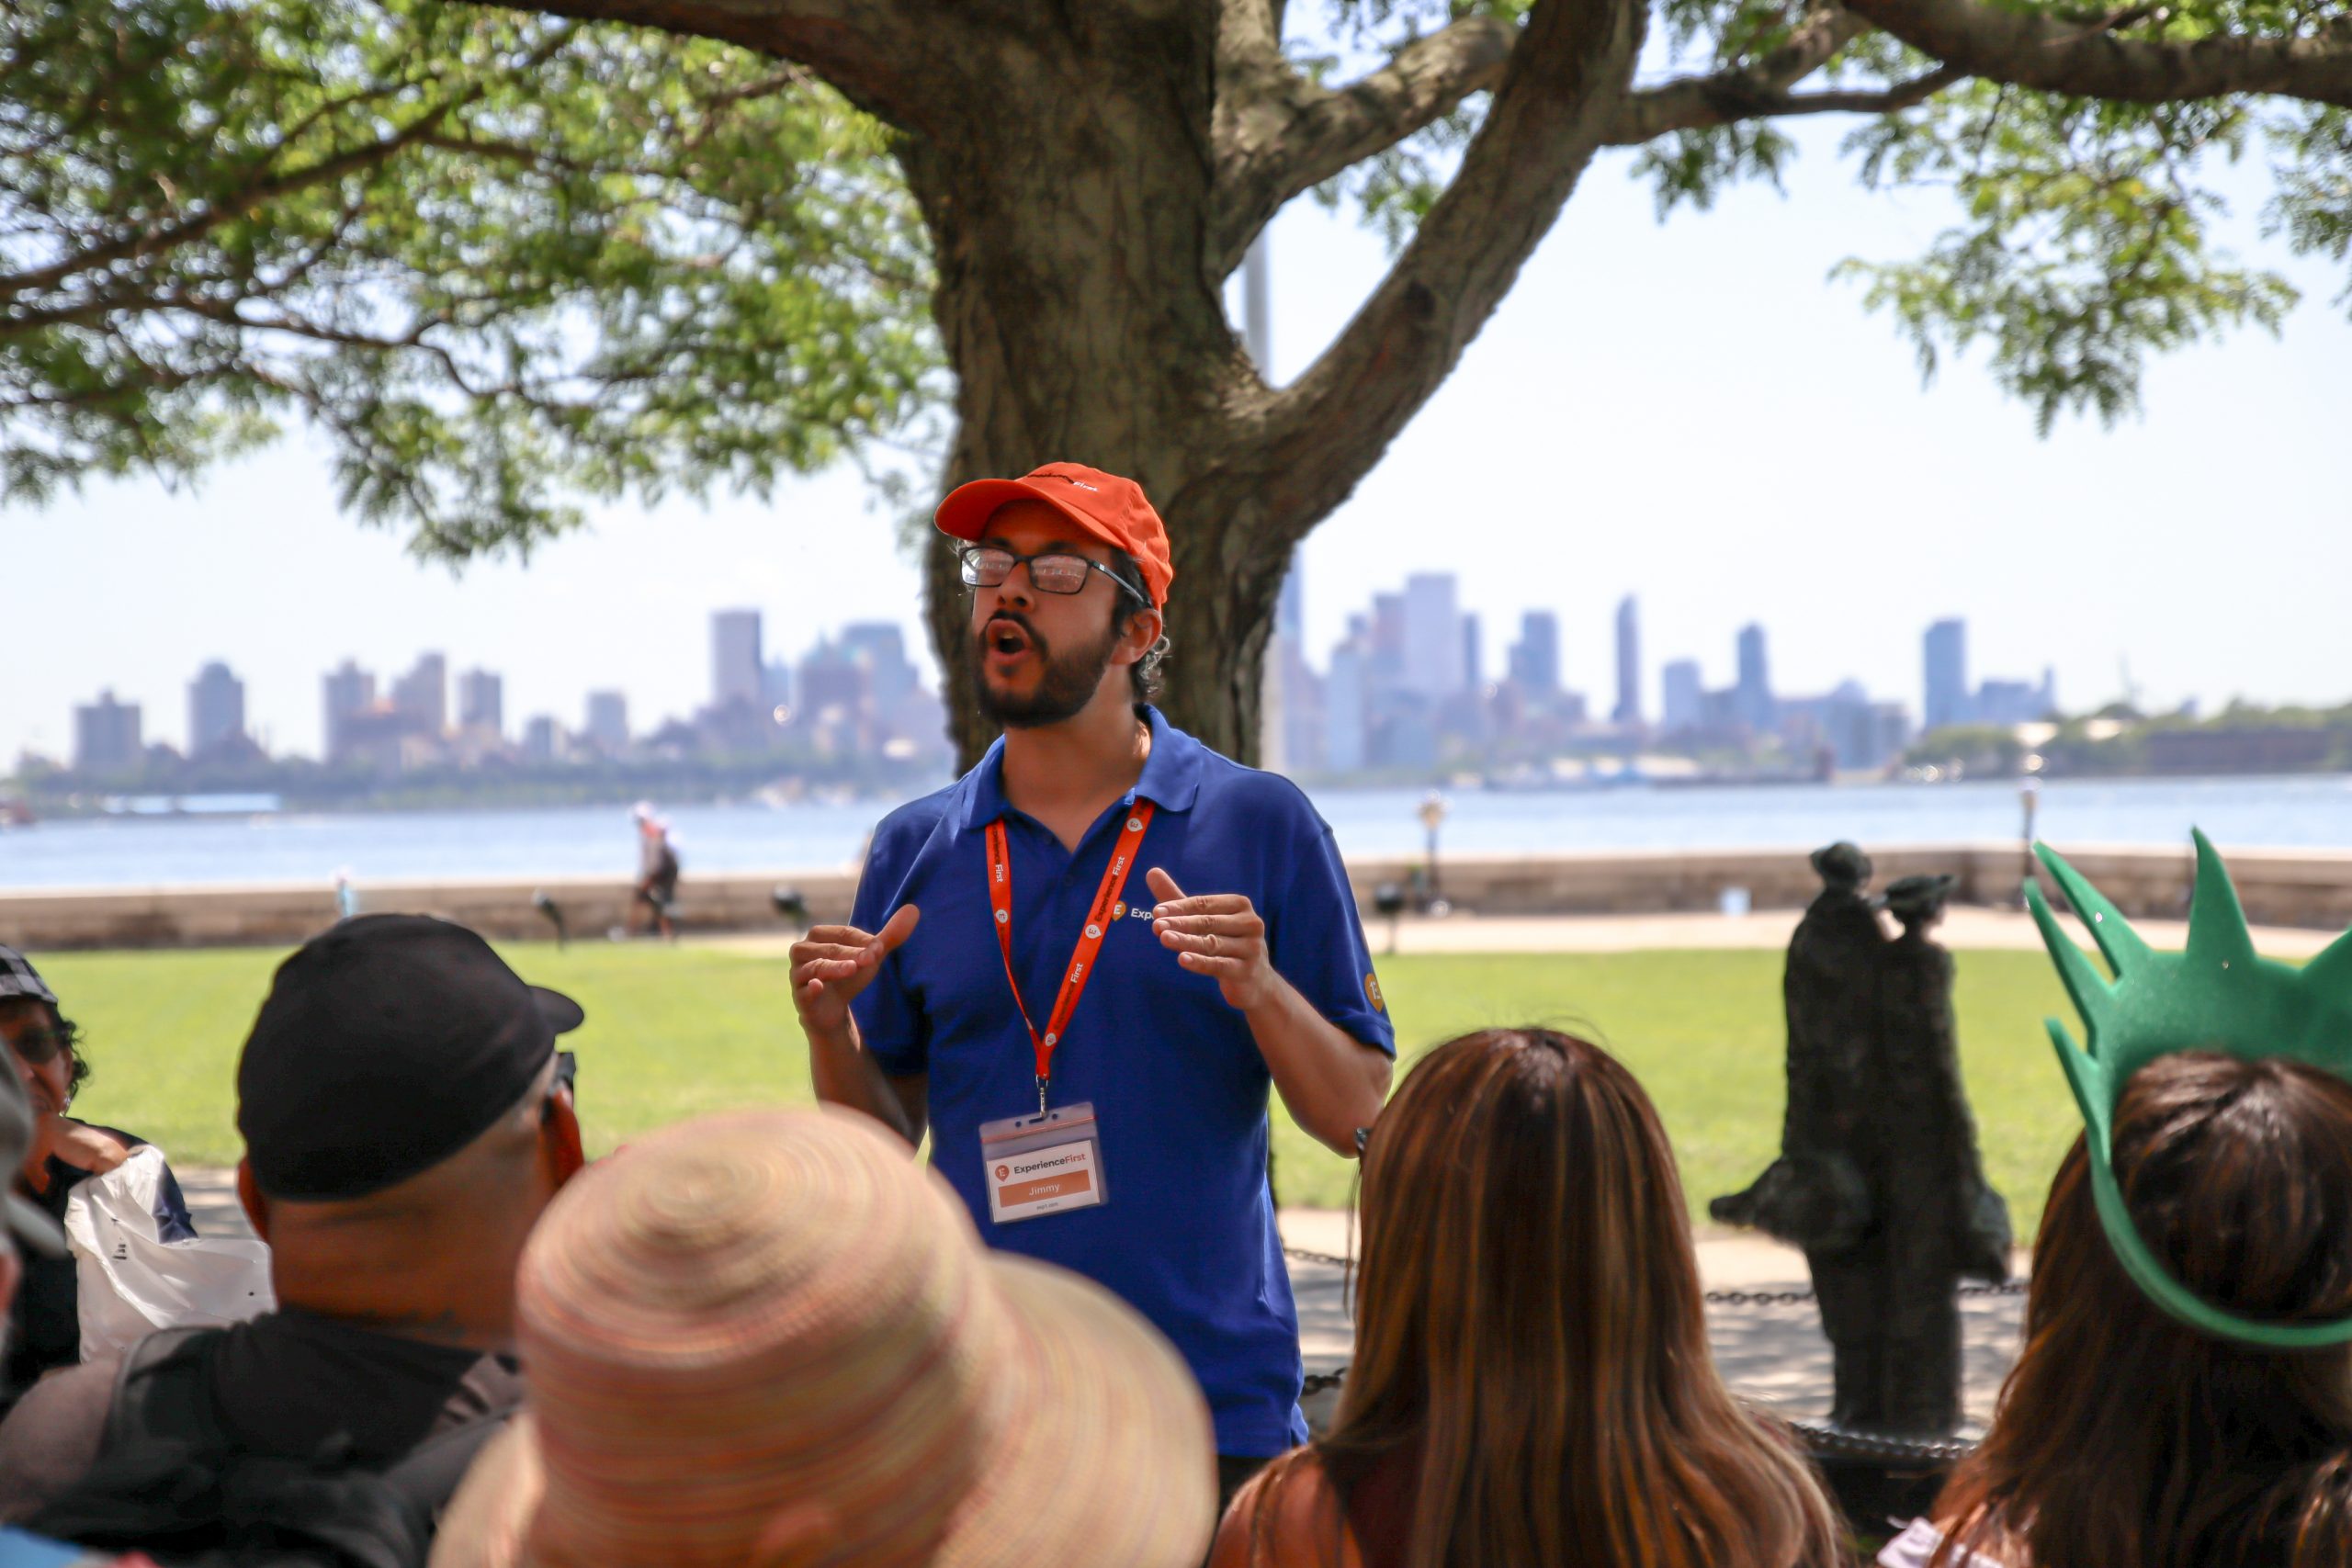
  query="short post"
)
[{"x": 1432, "y": 815}]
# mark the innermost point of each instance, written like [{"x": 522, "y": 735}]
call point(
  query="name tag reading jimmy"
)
[{"x": 1043, "y": 1164}]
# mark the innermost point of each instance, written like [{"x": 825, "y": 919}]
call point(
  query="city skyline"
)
[
  {"x": 1414, "y": 645},
  {"x": 1632, "y": 440}
]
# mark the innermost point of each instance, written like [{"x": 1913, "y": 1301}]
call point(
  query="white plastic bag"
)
[{"x": 133, "y": 1283}]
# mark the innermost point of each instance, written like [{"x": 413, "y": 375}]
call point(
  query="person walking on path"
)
[
  {"x": 1091, "y": 1059},
  {"x": 657, "y": 872}
]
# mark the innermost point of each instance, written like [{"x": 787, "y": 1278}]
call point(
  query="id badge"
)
[{"x": 1042, "y": 1165}]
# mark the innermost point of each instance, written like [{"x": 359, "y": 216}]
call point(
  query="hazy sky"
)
[{"x": 1691, "y": 412}]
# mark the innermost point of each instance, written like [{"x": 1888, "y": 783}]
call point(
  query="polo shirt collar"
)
[{"x": 1172, "y": 775}]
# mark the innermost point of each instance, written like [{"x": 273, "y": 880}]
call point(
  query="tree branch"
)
[
  {"x": 1697, "y": 103},
  {"x": 1761, "y": 88},
  {"x": 1278, "y": 134},
  {"x": 1562, "y": 89},
  {"x": 2029, "y": 49},
  {"x": 860, "y": 46}
]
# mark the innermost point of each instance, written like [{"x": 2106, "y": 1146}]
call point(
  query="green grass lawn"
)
[{"x": 674, "y": 1031}]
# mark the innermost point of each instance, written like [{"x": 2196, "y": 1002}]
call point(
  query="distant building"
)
[
  {"x": 1857, "y": 733},
  {"x": 1685, "y": 694},
  {"x": 481, "y": 704},
  {"x": 738, "y": 673},
  {"x": 1629, "y": 662},
  {"x": 1432, "y": 635},
  {"x": 1755, "y": 685},
  {"x": 346, "y": 691},
  {"x": 216, "y": 709},
  {"x": 2017, "y": 701},
  {"x": 422, "y": 696},
  {"x": 1535, "y": 657},
  {"x": 607, "y": 728},
  {"x": 881, "y": 646},
  {"x": 1945, "y": 684},
  {"x": 542, "y": 740},
  {"x": 1474, "y": 656},
  {"x": 775, "y": 684},
  {"x": 106, "y": 737},
  {"x": 1347, "y": 697}
]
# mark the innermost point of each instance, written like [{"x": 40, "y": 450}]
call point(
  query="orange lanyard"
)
[{"x": 1089, "y": 941}]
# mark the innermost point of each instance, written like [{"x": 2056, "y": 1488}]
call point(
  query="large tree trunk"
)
[{"x": 1074, "y": 305}]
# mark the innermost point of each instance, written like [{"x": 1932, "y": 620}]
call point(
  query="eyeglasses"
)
[{"x": 1053, "y": 571}]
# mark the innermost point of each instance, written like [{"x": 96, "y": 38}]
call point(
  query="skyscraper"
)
[
  {"x": 1947, "y": 676},
  {"x": 542, "y": 740},
  {"x": 423, "y": 696},
  {"x": 106, "y": 737},
  {"x": 1432, "y": 635},
  {"x": 1756, "y": 708},
  {"x": 1685, "y": 695},
  {"x": 481, "y": 703},
  {"x": 738, "y": 673},
  {"x": 1629, "y": 662},
  {"x": 881, "y": 646},
  {"x": 1474, "y": 656},
  {"x": 1347, "y": 697},
  {"x": 1535, "y": 657},
  {"x": 345, "y": 691},
  {"x": 216, "y": 709},
  {"x": 608, "y": 722}
]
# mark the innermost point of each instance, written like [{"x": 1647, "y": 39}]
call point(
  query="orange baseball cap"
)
[{"x": 1104, "y": 506}]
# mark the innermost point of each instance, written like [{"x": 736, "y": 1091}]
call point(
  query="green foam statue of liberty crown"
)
[{"x": 2215, "y": 996}]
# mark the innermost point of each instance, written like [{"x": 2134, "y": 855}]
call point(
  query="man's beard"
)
[{"x": 1068, "y": 684}]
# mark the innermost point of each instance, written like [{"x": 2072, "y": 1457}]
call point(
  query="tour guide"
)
[{"x": 1092, "y": 1065}]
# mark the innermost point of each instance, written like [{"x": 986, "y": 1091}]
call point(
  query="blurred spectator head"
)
[
  {"x": 769, "y": 1337},
  {"x": 48, "y": 1061},
  {"x": 21, "y": 1224},
  {"x": 2239, "y": 1175}
]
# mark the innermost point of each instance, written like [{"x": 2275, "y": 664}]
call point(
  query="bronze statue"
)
[{"x": 1878, "y": 1178}]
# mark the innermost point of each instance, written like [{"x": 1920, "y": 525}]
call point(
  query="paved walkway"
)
[
  {"x": 1965, "y": 926},
  {"x": 1772, "y": 1352}
]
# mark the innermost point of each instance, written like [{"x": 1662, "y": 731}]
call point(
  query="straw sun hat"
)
[{"x": 771, "y": 1338}]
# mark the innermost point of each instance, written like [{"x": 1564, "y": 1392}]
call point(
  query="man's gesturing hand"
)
[
  {"x": 832, "y": 963},
  {"x": 1219, "y": 934}
]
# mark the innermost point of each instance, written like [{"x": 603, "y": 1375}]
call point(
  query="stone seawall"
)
[{"x": 2280, "y": 887}]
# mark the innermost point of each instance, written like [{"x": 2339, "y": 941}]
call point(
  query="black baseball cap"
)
[{"x": 385, "y": 1046}]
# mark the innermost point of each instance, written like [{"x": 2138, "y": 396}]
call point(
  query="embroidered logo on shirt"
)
[{"x": 1372, "y": 992}]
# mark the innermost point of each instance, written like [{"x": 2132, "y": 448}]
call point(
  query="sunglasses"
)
[
  {"x": 39, "y": 1047},
  {"x": 1052, "y": 571}
]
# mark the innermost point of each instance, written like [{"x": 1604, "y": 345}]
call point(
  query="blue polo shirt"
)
[{"x": 1187, "y": 1236}]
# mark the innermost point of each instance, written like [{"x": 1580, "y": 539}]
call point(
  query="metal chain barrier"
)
[{"x": 1828, "y": 1442}]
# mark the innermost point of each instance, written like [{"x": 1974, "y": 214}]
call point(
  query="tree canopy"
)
[
  {"x": 500, "y": 261},
  {"x": 509, "y": 258}
]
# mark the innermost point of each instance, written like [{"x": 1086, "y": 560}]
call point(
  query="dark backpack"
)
[{"x": 172, "y": 1482}]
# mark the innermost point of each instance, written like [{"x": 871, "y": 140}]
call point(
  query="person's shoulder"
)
[
  {"x": 1267, "y": 798},
  {"x": 52, "y": 1437},
  {"x": 909, "y": 826},
  {"x": 1286, "y": 1514}
]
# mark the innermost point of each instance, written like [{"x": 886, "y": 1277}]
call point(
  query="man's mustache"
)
[{"x": 1012, "y": 618}]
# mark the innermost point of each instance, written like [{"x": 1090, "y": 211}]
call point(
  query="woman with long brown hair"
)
[
  {"x": 1531, "y": 1382},
  {"x": 2125, "y": 1437}
]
